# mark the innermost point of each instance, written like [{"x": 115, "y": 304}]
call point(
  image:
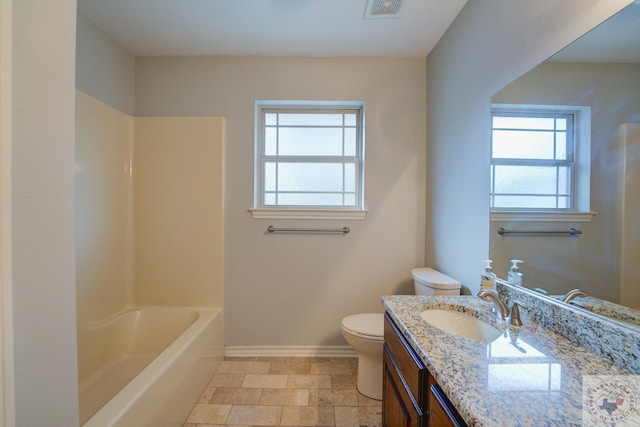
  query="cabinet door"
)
[
  {"x": 398, "y": 407},
  {"x": 441, "y": 411}
]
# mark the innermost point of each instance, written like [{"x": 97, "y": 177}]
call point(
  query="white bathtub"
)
[{"x": 147, "y": 366}]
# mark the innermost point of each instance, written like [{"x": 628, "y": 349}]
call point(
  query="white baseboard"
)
[{"x": 290, "y": 351}]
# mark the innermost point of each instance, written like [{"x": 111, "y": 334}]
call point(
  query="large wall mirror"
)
[{"x": 598, "y": 76}]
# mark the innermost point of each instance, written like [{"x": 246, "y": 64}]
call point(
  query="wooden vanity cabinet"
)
[{"x": 410, "y": 396}]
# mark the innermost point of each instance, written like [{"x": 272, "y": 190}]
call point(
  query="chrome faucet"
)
[
  {"x": 498, "y": 306},
  {"x": 573, "y": 294}
]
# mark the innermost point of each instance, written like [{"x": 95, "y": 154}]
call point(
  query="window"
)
[
  {"x": 309, "y": 157},
  {"x": 540, "y": 158}
]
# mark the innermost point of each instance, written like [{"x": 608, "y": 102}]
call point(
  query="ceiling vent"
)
[{"x": 383, "y": 9}]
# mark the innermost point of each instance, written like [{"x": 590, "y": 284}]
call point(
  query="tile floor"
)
[{"x": 275, "y": 391}]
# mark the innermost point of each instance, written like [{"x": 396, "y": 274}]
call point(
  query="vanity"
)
[
  {"x": 411, "y": 395},
  {"x": 519, "y": 376}
]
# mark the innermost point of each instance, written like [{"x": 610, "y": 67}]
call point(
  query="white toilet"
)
[{"x": 365, "y": 332}]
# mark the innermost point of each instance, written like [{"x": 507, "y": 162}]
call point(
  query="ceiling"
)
[
  {"x": 270, "y": 27},
  {"x": 615, "y": 40}
]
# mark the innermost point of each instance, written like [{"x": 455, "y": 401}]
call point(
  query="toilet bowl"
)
[{"x": 365, "y": 332}]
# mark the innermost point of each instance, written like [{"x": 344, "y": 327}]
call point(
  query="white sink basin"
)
[{"x": 461, "y": 324}]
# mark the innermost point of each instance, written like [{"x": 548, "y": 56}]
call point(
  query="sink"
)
[{"x": 461, "y": 324}]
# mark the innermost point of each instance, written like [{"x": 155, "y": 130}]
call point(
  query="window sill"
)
[
  {"x": 342, "y": 214},
  {"x": 542, "y": 216}
]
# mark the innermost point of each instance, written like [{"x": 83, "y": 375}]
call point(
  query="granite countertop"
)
[
  {"x": 618, "y": 312},
  {"x": 528, "y": 376}
]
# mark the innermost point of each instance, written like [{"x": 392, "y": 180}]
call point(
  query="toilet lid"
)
[{"x": 368, "y": 324}]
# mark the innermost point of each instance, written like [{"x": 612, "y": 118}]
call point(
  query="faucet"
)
[
  {"x": 497, "y": 304},
  {"x": 515, "y": 313},
  {"x": 572, "y": 294}
]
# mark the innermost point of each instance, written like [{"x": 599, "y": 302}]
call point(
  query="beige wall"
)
[
  {"x": 489, "y": 44},
  {"x": 148, "y": 210},
  {"x": 178, "y": 211},
  {"x": 592, "y": 261},
  {"x": 293, "y": 290}
]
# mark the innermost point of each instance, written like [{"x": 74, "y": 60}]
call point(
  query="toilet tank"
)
[{"x": 427, "y": 281}]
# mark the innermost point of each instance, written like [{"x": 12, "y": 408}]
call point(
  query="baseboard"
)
[{"x": 290, "y": 351}]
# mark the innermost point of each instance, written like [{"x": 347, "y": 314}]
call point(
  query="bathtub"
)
[{"x": 147, "y": 366}]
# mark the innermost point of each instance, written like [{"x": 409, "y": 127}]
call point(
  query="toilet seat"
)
[{"x": 365, "y": 325}]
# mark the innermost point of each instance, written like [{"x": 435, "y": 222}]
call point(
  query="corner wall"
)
[
  {"x": 293, "y": 290},
  {"x": 104, "y": 70},
  {"x": 42, "y": 334}
]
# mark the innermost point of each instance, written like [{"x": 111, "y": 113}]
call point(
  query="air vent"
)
[{"x": 383, "y": 9}]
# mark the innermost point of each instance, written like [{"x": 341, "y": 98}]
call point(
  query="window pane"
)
[
  {"x": 270, "y": 119},
  {"x": 310, "y": 142},
  {"x": 563, "y": 202},
  {"x": 349, "y": 199},
  {"x": 525, "y": 179},
  {"x": 564, "y": 180},
  {"x": 523, "y": 145},
  {"x": 535, "y": 202},
  {"x": 350, "y": 119},
  {"x": 350, "y": 142},
  {"x": 349, "y": 177},
  {"x": 310, "y": 199},
  {"x": 539, "y": 123},
  {"x": 310, "y": 177},
  {"x": 561, "y": 146},
  {"x": 270, "y": 176},
  {"x": 271, "y": 141},
  {"x": 270, "y": 199},
  {"x": 561, "y": 124},
  {"x": 302, "y": 119}
]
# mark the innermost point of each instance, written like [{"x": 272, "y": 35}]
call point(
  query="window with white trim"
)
[
  {"x": 540, "y": 158},
  {"x": 309, "y": 156}
]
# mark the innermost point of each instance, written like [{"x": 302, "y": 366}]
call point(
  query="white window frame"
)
[
  {"x": 262, "y": 211},
  {"x": 581, "y": 187}
]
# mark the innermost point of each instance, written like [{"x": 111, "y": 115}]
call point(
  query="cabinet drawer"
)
[{"x": 411, "y": 367}]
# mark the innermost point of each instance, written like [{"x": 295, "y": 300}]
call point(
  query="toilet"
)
[{"x": 365, "y": 331}]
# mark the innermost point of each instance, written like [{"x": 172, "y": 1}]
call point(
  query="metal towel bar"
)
[
  {"x": 571, "y": 232},
  {"x": 272, "y": 229}
]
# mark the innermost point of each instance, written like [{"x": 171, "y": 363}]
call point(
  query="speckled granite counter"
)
[
  {"x": 611, "y": 310},
  {"x": 528, "y": 376}
]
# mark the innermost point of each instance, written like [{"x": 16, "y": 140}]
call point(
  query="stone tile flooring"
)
[{"x": 292, "y": 391}]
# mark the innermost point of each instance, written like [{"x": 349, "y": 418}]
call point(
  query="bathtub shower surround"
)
[{"x": 149, "y": 239}]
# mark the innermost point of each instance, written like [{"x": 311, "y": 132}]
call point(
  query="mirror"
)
[{"x": 601, "y": 70}]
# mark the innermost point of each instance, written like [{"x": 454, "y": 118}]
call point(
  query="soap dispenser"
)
[
  {"x": 515, "y": 275},
  {"x": 488, "y": 277}
]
